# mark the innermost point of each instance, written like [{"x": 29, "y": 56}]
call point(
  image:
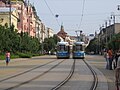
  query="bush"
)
[
  {"x": 14, "y": 56},
  {"x": 24, "y": 55},
  {"x": 36, "y": 55},
  {"x": 2, "y": 57}
]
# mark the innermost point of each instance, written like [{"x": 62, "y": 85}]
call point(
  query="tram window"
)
[
  {"x": 79, "y": 47},
  {"x": 62, "y": 47}
]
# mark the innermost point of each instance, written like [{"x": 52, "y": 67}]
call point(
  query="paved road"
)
[{"x": 19, "y": 65}]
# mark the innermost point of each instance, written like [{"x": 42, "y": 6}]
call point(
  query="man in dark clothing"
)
[{"x": 117, "y": 54}]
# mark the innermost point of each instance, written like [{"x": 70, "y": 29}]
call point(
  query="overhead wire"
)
[
  {"x": 83, "y": 6},
  {"x": 51, "y": 11}
]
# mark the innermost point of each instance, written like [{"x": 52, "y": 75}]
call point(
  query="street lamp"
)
[
  {"x": 118, "y": 7},
  {"x": 106, "y": 32},
  {"x": 113, "y": 17}
]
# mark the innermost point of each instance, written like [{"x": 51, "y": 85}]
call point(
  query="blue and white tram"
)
[
  {"x": 78, "y": 50},
  {"x": 63, "y": 50}
]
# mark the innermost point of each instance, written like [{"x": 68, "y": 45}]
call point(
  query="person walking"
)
[
  {"x": 106, "y": 56},
  {"x": 117, "y": 75},
  {"x": 110, "y": 54},
  {"x": 7, "y": 57},
  {"x": 117, "y": 54}
]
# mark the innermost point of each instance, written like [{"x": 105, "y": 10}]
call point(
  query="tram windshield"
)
[
  {"x": 61, "y": 48},
  {"x": 78, "y": 48}
]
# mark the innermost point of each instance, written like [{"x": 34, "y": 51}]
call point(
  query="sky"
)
[{"x": 85, "y": 15}]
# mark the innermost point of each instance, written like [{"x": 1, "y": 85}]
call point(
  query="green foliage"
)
[
  {"x": 2, "y": 56},
  {"x": 114, "y": 43},
  {"x": 92, "y": 46},
  {"x": 24, "y": 55},
  {"x": 11, "y": 40},
  {"x": 14, "y": 42},
  {"x": 50, "y": 43},
  {"x": 29, "y": 44}
]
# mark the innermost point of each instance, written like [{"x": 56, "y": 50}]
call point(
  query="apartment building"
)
[
  {"x": 7, "y": 17},
  {"x": 24, "y": 17}
]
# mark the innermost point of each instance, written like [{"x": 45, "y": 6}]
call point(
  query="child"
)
[{"x": 7, "y": 57}]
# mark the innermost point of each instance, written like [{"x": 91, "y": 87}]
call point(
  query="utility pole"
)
[
  {"x": 106, "y": 32},
  {"x": 10, "y": 13},
  {"x": 42, "y": 37},
  {"x": 113, "y": 16}
]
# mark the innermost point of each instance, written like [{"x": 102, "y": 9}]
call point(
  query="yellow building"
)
[{"x": 6, "y": 17}]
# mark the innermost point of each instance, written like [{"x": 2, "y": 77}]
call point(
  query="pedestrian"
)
[
  {"x": 7, "y": 57},
  {"x": 117, "y": 75},
  {"x": 117, "y": 54},
  {"x": 106, "y": 56},
  {"x": 110, "y": 54}
]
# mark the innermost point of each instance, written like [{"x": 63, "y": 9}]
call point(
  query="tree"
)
[
  {"x": 93, "y": 46},
  {"x": 50, "y": 43},
  {"x": 114, "y": 43},
  {"x": 11, "y": 40}
]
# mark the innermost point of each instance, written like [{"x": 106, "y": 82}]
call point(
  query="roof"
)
[{"x": 62, "y": 33}]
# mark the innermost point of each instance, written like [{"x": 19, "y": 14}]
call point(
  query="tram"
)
[
  {"x": 78, "y": 51},
  {"x": 63, "y": 50}
]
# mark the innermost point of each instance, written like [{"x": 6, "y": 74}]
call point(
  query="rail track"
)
[
  {"x": 21, "y": 73},
  {"x": 66, "y": 79},
  {"x": 27, "y": 71},
  {"x": 93, "y": 85},
  {"x": 95, "y": 81},
  {"x": 71, "y": 72}
]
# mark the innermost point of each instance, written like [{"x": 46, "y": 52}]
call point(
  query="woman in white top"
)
[{"x": 106, "y": 56}]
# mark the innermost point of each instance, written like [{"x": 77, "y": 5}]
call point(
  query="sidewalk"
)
[
  {"x": 14, "y": 66},
  {"x": 100, "y": 63},
  {"x": 19, "y": 65},
  {"x": 2, "y": 62}
]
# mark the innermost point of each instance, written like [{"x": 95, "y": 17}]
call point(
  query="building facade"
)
[
  {"x": 24, "y": 17},
  {"x": 9, "y": 18},
  {"x": 105, "y": 35}
]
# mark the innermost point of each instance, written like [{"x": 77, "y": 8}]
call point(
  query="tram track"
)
[
  {"x": 66, "y": 79},
  {"x": 21, "y": 73},
  {"x": 30, "y": 70},
  {"x": 61, "y": 83},
  {"x": 56, "y": 87},
  {"x": 38, "y": 76},
  {"x": 95, "y": 77},
  {"x": 95, "y": 81}
]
